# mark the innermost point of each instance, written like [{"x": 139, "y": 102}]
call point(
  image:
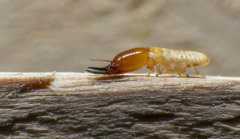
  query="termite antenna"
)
[{"x": 102, "y": 60}]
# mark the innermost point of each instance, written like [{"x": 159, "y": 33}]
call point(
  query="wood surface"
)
[{"x": 83, "y": 105}]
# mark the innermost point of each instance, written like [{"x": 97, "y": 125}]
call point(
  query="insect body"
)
[{"x": 155, "y": 59}]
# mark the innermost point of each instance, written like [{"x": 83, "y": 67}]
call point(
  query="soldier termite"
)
[{"x": 155, "y": 59}]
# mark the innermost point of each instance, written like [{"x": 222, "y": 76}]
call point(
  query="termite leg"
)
[
  {"x": 158, "y": 70},
  {"x": 168, "y": 71},
  {"x": 150, "y": 68},
  {"x": 183, "y": 75},
  {"x": 150, "y": 71},
  {"x": 182, "y": 72},
  {"x": 197, "y": 73}
]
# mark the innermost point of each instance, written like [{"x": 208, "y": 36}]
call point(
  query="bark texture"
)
[{"x": 78, "y": 105}]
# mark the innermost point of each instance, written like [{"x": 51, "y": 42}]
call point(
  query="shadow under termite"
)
[
  {"x": 114, "y": 78},
  {"x": 111, "y": 78}
]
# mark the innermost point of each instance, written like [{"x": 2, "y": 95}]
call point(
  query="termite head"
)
[
  {"x": 111, "y": 68},
  {"x": 124, "y": 62}
]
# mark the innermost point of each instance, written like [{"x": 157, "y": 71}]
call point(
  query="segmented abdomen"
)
[{"x": 189, "y": 58}]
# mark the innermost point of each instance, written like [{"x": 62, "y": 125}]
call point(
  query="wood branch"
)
[{"x": 82, "y": 105}]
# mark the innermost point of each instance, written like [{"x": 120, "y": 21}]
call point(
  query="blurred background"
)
[{"x": 63, "y": 35}]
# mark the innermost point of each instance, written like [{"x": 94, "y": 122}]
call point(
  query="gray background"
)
[{"x": 63, "y": 35}]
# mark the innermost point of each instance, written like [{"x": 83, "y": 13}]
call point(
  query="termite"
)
[{"x": 155, "y": 59}]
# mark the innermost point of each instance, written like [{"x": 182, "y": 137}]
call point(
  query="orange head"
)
[{"x": 124, "y": 62}]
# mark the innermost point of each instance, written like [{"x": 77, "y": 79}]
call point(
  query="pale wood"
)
[{"x": 79, "y": 105}]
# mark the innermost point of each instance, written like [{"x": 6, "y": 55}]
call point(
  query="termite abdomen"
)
[{"x": 188, "y": 58}]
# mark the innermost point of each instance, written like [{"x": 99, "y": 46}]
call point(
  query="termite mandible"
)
[{"x": 155, "y": 59}]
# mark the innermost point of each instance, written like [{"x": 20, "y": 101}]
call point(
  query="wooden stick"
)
[
  {"x": 83, "y": 105},
  {"x": 78, "y": 82}
]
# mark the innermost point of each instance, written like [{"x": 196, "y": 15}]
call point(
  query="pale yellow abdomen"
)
[
  {"x": 188, "y": 58},
  {"x": 185, "y": 58}
]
